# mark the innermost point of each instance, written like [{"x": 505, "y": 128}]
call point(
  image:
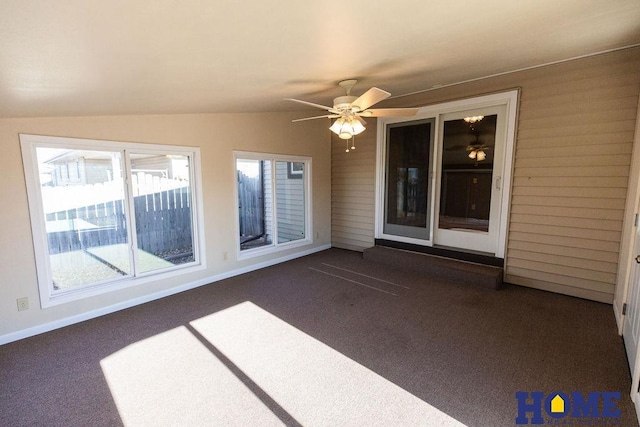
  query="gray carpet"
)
[{"x": 328, "y": 339}]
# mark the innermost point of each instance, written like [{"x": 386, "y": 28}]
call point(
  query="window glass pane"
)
[
  {"x": 83, "y": 200},
  {"x": 255, "y": 204},
  {"x": 408, "y": 180},
  {"x": 290, "y": 201},
  {"x": 467, "y": 167},
  {"x": 162, "y": 205}
]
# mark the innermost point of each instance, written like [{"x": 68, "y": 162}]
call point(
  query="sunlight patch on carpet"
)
[
  {"x": 314, "y": 383},
  {"x": 172, "y": 379}
]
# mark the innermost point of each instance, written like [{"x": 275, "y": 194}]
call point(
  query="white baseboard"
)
[{"x": 50, "y": 326}]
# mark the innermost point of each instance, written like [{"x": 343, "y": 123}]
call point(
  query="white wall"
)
[{"x": 269, "y": 132}]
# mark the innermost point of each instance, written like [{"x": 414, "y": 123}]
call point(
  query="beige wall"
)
[
  {"x": 216, "y": 135},
  {"x": 353, "y": 191},
  {"x": 572, "y": 156}
]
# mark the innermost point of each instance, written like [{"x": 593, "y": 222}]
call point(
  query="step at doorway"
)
[{"x": 454, "y": 270}]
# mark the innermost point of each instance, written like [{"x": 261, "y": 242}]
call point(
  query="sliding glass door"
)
[
  {"x": 441, "y": 175},
  {"x": 408, "y": 189}
]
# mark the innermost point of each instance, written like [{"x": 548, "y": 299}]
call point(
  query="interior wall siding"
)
[
  {"x": 576, "y": 124},
  {"x": 353, "y": 191}
]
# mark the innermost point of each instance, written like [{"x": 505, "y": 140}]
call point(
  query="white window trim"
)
[
  {"x": 49, "y": 298},
  {"x": 275, "y": 246},
  {"x": 510, "y": 100}
]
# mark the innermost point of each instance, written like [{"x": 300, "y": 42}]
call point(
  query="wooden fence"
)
[
  {"x": 163, "y": 224},
  {"x": 250, "y": 206}
]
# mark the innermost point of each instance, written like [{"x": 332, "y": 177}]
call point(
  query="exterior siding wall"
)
[
  {"x": 290, "y": 205},
  {"x": 575, "y": 134}
]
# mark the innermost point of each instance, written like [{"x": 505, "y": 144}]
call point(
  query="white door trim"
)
[
  {"x": 632, "y": 207},
  {"x": 510, "y": 100},
  {"x": 627, "y": 254}
]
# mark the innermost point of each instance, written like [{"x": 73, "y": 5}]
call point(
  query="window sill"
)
[
  {"x": 71, "y": 295},
  {"x": 266, "y": 250}
]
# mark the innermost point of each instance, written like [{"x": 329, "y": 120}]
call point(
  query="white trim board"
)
[
  {"x": 632, "y": 207},
  {"x": 56, "y": 324}
]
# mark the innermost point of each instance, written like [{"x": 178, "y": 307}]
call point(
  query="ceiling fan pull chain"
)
[
  {"x": 347, "y": 150},
  {"x": 353, "y": 142}
]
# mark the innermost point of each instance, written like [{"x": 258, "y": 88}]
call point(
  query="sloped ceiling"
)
[{"x": 95, "y": 57}]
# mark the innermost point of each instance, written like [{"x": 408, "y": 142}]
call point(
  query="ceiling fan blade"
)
[
  {"x": 370, "y": 97},
  {"x": 326, "y": 116},
  {"x": 324, "y": 107},
  {"x": 361, "y": 120},
  {"x": 391, "y": 112}
]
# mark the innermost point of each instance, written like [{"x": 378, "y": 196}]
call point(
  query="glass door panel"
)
[
  {"x": 468, "y": 203},
  {"x": 407, "y": 203},
  {"x": 467, "y": 168}
]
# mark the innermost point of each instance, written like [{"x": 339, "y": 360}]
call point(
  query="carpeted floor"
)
[{"x": 328, "y": 339}]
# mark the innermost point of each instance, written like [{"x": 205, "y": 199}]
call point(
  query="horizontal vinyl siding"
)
[
  {"x": 572, "y": 160},
  {"x": 576, "y": 123},
  {"x": 290, "y": 205},
  {"x": 353, "y": 191}
]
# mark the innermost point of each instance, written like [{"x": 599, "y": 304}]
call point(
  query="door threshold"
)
[{"x": 446, "y": 252}]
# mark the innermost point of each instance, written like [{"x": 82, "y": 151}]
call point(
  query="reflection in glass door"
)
[
  {"x": 407, "y": 204},
  {"x": 467, "y": 167},
  {"x": 472, "y": 143}
]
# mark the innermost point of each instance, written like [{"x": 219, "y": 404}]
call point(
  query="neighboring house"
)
[
  {"x": 87, "y": 167},
  {"x": 79, "y": 170}
]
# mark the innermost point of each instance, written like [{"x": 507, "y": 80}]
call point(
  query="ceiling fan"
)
[
  {"x": 349, "y": 110},
  {"x": 476, "y": 149}
]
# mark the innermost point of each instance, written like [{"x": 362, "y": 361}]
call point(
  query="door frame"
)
[
  {"x": 626, "y": 260},
  {"x": 510, "y": 100}
]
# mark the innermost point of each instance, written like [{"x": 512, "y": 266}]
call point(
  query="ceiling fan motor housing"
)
[{"x": 343, "y": 103}]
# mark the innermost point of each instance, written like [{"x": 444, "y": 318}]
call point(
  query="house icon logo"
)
[
  {"x": 559, "y": 408},
  {"x": 557, "y": 405}
]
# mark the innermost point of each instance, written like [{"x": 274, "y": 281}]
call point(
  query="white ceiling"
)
[{"x": 95, "y": 57}]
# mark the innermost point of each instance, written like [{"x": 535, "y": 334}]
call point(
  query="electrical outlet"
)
[
  {"x": 23, "y": 303},
  {"x": 317, "y": 235},
  {"x": 224, "y": 255}
]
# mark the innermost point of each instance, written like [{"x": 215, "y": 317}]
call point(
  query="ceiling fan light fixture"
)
[
  {"x": 347, "y": 128},
  {"x": 481, "y": 155},
  {"x": 473, "y": 119},
  {"x": 358, "y": 127},
  {"x": 472, "y": 154},
  {"x": 337, "y": 125},
  {"x": 345, "y": 135},
  {"x": 348, "y": 110}
]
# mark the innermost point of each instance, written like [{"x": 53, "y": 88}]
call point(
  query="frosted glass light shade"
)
[{"x": 346, "y": 129}]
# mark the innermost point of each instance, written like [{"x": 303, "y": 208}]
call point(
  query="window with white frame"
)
[
  {"x": 107, "y": 214},
  {"x": 273, "y": 202}
]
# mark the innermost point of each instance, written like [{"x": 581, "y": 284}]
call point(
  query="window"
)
[
  {"x": 273, "y": 202},
  {"x": 126, "y": 213}
]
